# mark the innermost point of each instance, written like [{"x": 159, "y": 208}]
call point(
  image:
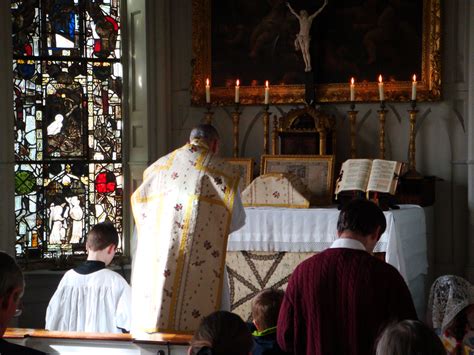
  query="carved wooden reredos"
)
[{"x": 306, "y": 130}]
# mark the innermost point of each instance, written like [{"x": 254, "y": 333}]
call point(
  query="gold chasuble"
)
[{"x": 183, "y": 212}]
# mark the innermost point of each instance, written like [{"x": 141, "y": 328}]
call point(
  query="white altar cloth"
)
[{"x": 314, "y": 229}]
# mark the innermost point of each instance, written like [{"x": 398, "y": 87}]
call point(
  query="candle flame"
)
[
  {"x": 266, "y": 83},
  {"x": 237, "y": 83},
  {"x": 207, "y": 82},
  {"x": 414, "y": 78},
  {"x": 352, "y": 81},
  {"x": 380, "y": 78}
]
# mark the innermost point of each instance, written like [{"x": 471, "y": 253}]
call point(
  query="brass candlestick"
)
[
  {"x": 275, "y": 136},
  {"x": 235, "y": 121},
  {"x": 353, "y": 121},
  {"x": 382, "y": 113},
  {"x": 266, "y": 124},
  {"x": 208, "y": 114},
  {"x": 412, "y": 173}
]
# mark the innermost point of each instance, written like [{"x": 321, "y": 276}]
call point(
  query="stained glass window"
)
[{"x": 68, "y": 122}]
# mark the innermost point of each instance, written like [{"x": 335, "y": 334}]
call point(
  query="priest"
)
[{"x": 184, "y": 210}]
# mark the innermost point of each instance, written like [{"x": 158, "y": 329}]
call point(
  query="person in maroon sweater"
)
[{"x": 339, "y": 301}]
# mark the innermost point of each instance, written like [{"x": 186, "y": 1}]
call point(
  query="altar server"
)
[
  {"x": 339, "y": 300},
  {"x": 91, "y": 298},
  {"x": 184, "y": 211}
]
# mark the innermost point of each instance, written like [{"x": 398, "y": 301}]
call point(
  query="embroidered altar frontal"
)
[{"x": 252, "y": 271}]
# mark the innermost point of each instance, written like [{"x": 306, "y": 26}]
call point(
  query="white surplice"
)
[{"x": 97, "y": 302}]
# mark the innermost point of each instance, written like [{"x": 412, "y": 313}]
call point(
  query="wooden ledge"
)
[{"x": 157, "y": 338}]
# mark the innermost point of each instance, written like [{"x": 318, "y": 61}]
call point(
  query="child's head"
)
[
  {"x": 265, "y": 308},
  {"x": 102, "y": 239},
  {"x": 221, "y": 333},
  {"x": 410, "y": 337}
]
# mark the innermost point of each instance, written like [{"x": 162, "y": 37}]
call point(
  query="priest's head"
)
[
  {"x": 361, "y": 220},
  {"x": 207, "y": 134},
  {"x": 102, "y": 241},
  {"x": 11, "y": 289}
]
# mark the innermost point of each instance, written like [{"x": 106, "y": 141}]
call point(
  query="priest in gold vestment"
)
[{"x": 184, "y": 210}]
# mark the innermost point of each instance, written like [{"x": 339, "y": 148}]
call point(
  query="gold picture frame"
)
[
  {"x": 245, "y": 166},
  {"x": 397, "y": 88},
  {"x": 316, "y": 172}
]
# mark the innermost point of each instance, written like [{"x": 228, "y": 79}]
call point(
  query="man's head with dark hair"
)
[
  {"x": 101, "y": 236},
  {"x": 206, "y": 133},
  {"x": 11, "y": 289},
  {"x": 265, "y": 308},
  {"x": 224, "y": 333},
  {"x": 363, "y": 220}
]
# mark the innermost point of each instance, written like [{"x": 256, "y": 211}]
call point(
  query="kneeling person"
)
[{"x": 91, "y": 298}]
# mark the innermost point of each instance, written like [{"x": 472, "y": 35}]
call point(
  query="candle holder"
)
[
  {"x": 353, "y": 121},
  {"x": 235, "y": 121},
  {"x": 382, "y": 113},
  {"x": 208, "y": 114},
  {"x": 275, "y": 135},
  {"x": 266, "y": 124},
  {"x": 412, "y": 173}
]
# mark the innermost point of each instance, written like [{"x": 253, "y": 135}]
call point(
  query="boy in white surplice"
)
[{"x": 91, "y": 298}]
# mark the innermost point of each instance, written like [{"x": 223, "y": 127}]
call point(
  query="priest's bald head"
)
[
  {"x": 206, "y": 133},
  {"x": 11, "y": 289},
  {"x": 362, "y": 220}
]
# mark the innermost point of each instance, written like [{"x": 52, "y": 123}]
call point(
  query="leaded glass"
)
[{"x": 68, "y": 122}]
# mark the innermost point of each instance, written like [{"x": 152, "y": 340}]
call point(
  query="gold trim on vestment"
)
[{"x": 180, "y": 261}]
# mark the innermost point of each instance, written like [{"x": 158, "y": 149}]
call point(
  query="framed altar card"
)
[
  {"x": 255, "y": 41},
  {"x": 245, "y": 166},
  {"x": 316, "y": 172}
]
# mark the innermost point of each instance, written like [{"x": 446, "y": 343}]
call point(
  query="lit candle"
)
[
  {"x": 237, "y": 89},
  {"x": 267, "y": 92},
  {"x": 208, "y": 91},
  {"x": 413, "y": 88},
  {"x": 352, "y": 89},
  {"x": 381, "y": 95}
]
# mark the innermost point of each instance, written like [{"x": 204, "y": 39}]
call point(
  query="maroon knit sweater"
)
[{"x": 338, "y": 301}]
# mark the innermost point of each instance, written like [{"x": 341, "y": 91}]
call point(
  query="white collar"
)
[{"x": 348, "y": 243}]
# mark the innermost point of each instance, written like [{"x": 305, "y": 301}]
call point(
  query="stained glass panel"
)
[{"x": 68, "y": 122}]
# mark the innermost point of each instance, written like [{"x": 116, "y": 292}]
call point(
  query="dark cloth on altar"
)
[
  {"x": 7, "y": 348},
  {"x": 338, "y": 302}
]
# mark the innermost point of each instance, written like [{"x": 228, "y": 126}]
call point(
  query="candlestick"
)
[
  {"x": 412, "y": 173},
  {"x": 381, "y": 93},
  {"x": 413, "y": 88},
  {"x": 266, "y": 124},
  {"x": 382, "y": 113},
  {"x": 237, "y": 91},
  {"x": 235, "y": 121},
  {"x": 208, "y": 91},
  {"x": 352, "y": 86},
  {"x": 353, "y": 121},
  {"x": 267, "y": 93},
  {"x": 208, "y": 114}
]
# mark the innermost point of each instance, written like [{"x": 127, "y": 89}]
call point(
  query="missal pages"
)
[{"x": 369, "y": 176}]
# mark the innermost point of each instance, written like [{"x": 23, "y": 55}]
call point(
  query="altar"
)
[{"x": 274, "y": 241}]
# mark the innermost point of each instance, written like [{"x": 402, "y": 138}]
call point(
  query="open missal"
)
[{"x": 369, "y": 176}]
